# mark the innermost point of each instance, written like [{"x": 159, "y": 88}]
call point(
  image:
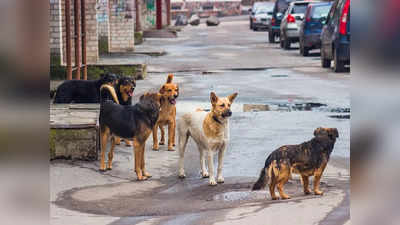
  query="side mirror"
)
[
  {"x": 323, "y": 20},
  {"x": 279, "y": 15}
]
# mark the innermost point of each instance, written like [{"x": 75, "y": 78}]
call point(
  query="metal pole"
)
[
  {"x": 138, "y": 26},
  {"x": 168, "y": 3},
  {"x": 159, "y": 14},
  {"x": 68, "y": 38},
  {"x": 77, "y": 40},
  {"x": 83, "y": 22}
]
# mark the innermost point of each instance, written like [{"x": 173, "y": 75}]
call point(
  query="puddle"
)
[
  {"x": 280, "y": 75},
  {"x": 290, "y": 106},
  {"x": 345, "y": 116},
  {"x": 238, "y": 196}
]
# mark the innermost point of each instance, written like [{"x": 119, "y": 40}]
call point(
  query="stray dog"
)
[
  {"x": 130, "y": 122},
  {"x": 308, "y": 159},
  {"x": 169, "y": 92},
  {"x": 210, "y": 131},
  {"x": 82, "y": 91}
]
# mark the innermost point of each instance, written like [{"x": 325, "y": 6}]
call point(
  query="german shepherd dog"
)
[
  {"x": 121, "y": 94},
  {"x": 82, "y": 91},
  {"x": 210, "y": 131},
  {"x": 169, "y": 92},
  {"x": 130, "y": 122},
  {"x": 308, "y": 159}
]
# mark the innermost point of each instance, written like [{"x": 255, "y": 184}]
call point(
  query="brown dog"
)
[
  {"x": 308, "y": 159},
  {"x": 129, "y": 122},
  {"x": 169, "y": 92}
]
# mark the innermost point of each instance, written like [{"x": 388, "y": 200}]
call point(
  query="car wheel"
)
[
  {"x": 255, "y": 29},
  {"x": 271, "y": 37},
  {"x": 339, "y": 64},
  {"x": 281, "y": 43},
  {"x": 325, "y": 63},
  {"x": 305, "y": 51},
  {"x": 286, "y": 44}
]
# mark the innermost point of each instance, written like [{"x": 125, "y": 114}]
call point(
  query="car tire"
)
[
  {"x": 281, "y": 43},
  {"x": 271, "y": 37},
  {"x": 306, "y": 51},
  {"x": 286, "y": 44},
  {"x": 338, "y": 66},
  {"x": 325, "y": 63}
]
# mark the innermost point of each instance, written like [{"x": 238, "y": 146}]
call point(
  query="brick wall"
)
[
  {"x": 121, "y": 25},
  {"x": 219, "y": 8},
  {"x": 54, "y": 27},
  {"x": 92, "y": 52}
]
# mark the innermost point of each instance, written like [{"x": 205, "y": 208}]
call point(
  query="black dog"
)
[
  {"x": 82, "y": 91},
  {"x": 131, "y": 122}
]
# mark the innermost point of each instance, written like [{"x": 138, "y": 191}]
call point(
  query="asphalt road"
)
[{"x": 225, "y": 59}]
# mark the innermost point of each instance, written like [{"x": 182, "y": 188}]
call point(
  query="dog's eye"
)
[
  {"x": 169, "y": 90},
  {"x": 223, "y": 105}
]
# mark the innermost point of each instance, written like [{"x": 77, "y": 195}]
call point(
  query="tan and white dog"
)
[{"x": 210, "y": 131}]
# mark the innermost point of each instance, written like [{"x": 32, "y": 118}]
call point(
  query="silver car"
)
[
  {"x": 291, "y": 21},
  {"x": 259, "y": 14}
]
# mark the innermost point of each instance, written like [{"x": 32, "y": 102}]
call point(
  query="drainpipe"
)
[{"x": 68, "y": 38}]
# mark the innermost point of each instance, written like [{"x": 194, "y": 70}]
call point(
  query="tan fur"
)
[
  {"x": 210, "y": 131},
  {"x": 169, "y": 91},
  {"x": 111, "y": 90}
]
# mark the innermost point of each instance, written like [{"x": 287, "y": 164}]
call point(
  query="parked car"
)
[
  {"x": 311, "y": 27},
  {"x": 262, "y": 16},
  {"x": 335, "y": 37},
  {"x": 291, "y": 21},
  {"x": 253, "y": 10},
  {"x": 280, "y": 8}
]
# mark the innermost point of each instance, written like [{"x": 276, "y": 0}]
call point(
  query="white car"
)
[
  {"x": 291, "y": 21},
  {"x": 260, "y": 15}
]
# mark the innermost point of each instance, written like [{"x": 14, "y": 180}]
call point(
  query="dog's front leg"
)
[
  {"x": 171, "y": 130},
  {"x": 221, "y": 152},
  {"x": 155, "y": 137},
  {"x": 317, "y": 179},
  {"x": 103, "y": 139},
  {"x": 211, "y": 167},
  {"x": 137, "y": 148}
]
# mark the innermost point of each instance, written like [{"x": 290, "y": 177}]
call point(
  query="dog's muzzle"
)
[{"x": 227, "y": 113}]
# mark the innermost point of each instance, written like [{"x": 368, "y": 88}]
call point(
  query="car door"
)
[
  {"x": 284, "y": 20},
  {"x": 328, "y": 31}
]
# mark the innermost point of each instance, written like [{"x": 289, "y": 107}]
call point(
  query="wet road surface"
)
[{"x": 217, "y": 60}]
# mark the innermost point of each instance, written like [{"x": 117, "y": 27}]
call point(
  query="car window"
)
[
  {"x": 282, "y": 5},
  {"x": 331, "y": 12},
  {"x": 299, "y": 9},
  {"x": 320, "y": 11}
]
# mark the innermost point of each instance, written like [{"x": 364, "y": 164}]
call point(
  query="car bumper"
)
[
  {"x": 312, "y": 41},
  {"x": 260, "y": 25},
  {"x": 292, "y": 33}
]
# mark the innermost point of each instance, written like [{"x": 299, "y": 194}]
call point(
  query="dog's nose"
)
[
  {"x": 229, "y": 113},
  {"x": 175, "y": 96}
]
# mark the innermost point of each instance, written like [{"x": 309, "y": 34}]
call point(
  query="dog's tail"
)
[
  {"x": 264, "y": 176},
  {"x": 111, "y": 90}
]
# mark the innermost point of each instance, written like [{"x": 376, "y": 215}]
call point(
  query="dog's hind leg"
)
[
  {"x": 143, "y": 165},
  {"x": 183, "y": 139},
  {"x": 137, "y": 148},
  {"x": 104, "y": 132},
  {"x": 111, "y": 153},
  {"x": 204, "y": 172},
  {"x": 162, "y": 141},
  {"x": 284, "y": 175}
]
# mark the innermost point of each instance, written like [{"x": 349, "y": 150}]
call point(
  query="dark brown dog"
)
[{"x": 308, "y": 159}]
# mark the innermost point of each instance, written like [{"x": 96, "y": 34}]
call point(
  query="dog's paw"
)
[
  {"x": 109, "y": 168},
  {"x": 182, "y": 176},
  {"x": 161, "y": 143},
  {"x": 285, "y": 197},
  {"x": 318, "y": 192},
  {"x": 205, "y": 175},
  {"x": 102, "y": 170},
  {"x": 212, "y": 182},
  {"x": 147, "y": 175},
  {"x": 307, "y": 192},
  {"x": 220, "y": 180},
  {"x": 275, "y": 198},
  {"x": 171, "y": 149},
  {"x": 155, "y": 149}
]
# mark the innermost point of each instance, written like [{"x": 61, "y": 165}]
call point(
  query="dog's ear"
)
[
  {"x": 169, "y": 78},
  {"x": 318, "y": 131},
  {"x": 335, "y": 132},
  {"x": 213, "y": 98},
  {"x": 232, "y": 97},
  {"x": 162, "y": 90}
]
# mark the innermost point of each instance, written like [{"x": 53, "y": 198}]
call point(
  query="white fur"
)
[{"x": 191, "y": 124}]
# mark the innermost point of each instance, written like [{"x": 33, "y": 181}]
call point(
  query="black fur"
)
[
  {"x": 307, "y": 156},
  {"x": 82, "y": 91},
  {"x": 125, "y": 121}
]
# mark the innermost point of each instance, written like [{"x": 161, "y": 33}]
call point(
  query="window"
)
[
  {"x": 176, "y": 7},
  {"x": 208, "y": 7}
]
